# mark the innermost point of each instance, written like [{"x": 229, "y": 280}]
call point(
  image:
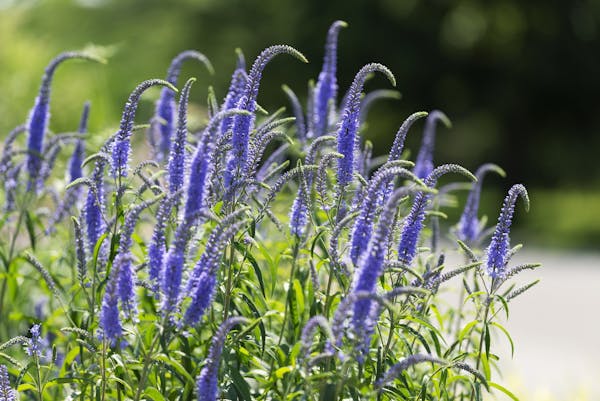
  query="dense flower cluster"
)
[{"x": 174, "y": 249}]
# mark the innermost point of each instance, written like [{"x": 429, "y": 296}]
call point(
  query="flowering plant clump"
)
[{"x": 215, "y": 268}]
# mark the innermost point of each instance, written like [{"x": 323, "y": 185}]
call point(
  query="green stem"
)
[
  {"x": 146, "y": 368},
  {"x": 290, "y": 286},
  {"x": 229, "y": 281}
]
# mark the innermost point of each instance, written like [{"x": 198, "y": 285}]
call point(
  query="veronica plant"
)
[{"x": 138, "y": 295}]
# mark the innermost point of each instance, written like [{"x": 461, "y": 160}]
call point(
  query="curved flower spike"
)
[
  {"x": 7, "y": 150},
  {"x": 76, "y": 160},
  {"x": 176, "y": 163},
  {"x": 424, "y": 162},
  {"x": 40, "y": 114},
  {"x": 110, "y": 322},
  {"x": 242, "y": 124},
  {"x": 468, "y": 225},
  {"x": 370, "y": 265},
  {"x": 325, "y": 92},
  {"x": 413, "y": 224},
  {"x": 363, "y": 225},
  {"x": 499, "y": 247},
  {"x": 207, "y": 380},
  {"x": 404, "y": 364},
  {"x": 238, "y": 83},
  {"x": 346, "y": 134},
  {"x": 126, "y": 273},
  {"x": 201, "y": 283},
  {"x": 299, "y": 214},
  {"x": 165, "y": 106},
  {"x": 156, "y": 249},
  {"x": 202, "y": 165},
  {"x": 121, "y": 146},
  {"x": 397, "y": 148},
  {"x": 94, "y": 206},
  {"x": 298, "y": 113}
]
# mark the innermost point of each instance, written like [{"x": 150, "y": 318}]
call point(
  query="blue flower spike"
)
[
  {"x": 165, "y": 106},
  {"x": 348, "y": 127},
  {"x": 498, "y": 250},
  {"x": 326, "y": 88},
  {"x": 424, "y": 163},
  {"x": 40, "y": 114},
  {"x": 469, "y": 227}
]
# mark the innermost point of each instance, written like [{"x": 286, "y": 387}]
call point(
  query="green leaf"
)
[
  {"x": 502, "y": 329},
  {"x": 467, "y": 329},
  {"x": 283, "y": 371},
  {"x": 29, "y": 223},
  {"x": 241, "y": 385},
  {"x": 504, "y": 390},
  {"x": 153, "y": 394},
  {"x": 176, "y": 366}
]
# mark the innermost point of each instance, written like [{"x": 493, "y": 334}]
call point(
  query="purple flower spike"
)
[
  {"x": 94, "y": 206},
  {"x": 424, "y": 163},
  {"x": 73, "y": 194},
  {"x": 110, "y": 322},
  {"x": 201, "y": 283},
  {"x": 177, "y": 155},
  {"x": 499, "y": 247},
  {"x": 6, "y": 392},
  {"x": 40, "y": 114},
  {"x": 202, "y": 165},
  {"x": 242, "y": 124},
  {"x": 370, "y": 265},
  {"x": 76, "y": 160},
  {"x": 469, "y": 227},
  {"x": 398, "y": 147},
  {"x": 298, "y": 114},
  {"x": 363, "y": 225},
  {"x": 326, "y": 89},
  {"x": 165, "y": 106},
  {"x": 126, "y": 273},
  {"x": 238, "y": 83},
  {"x": 173, "y": 267},
  {"x": 207, "y": 380},
  {"x": 34, "y": 346},
  {"x": 413, "y": 224},
  {"x": 299, "y": 214},
  {"x": 156, "y": 249},
  {"x": 121, "y": 146},
  {"x": 346, "y": 134}
]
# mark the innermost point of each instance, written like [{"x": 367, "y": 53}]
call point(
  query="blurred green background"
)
[{"x": 518, "y": 79}]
